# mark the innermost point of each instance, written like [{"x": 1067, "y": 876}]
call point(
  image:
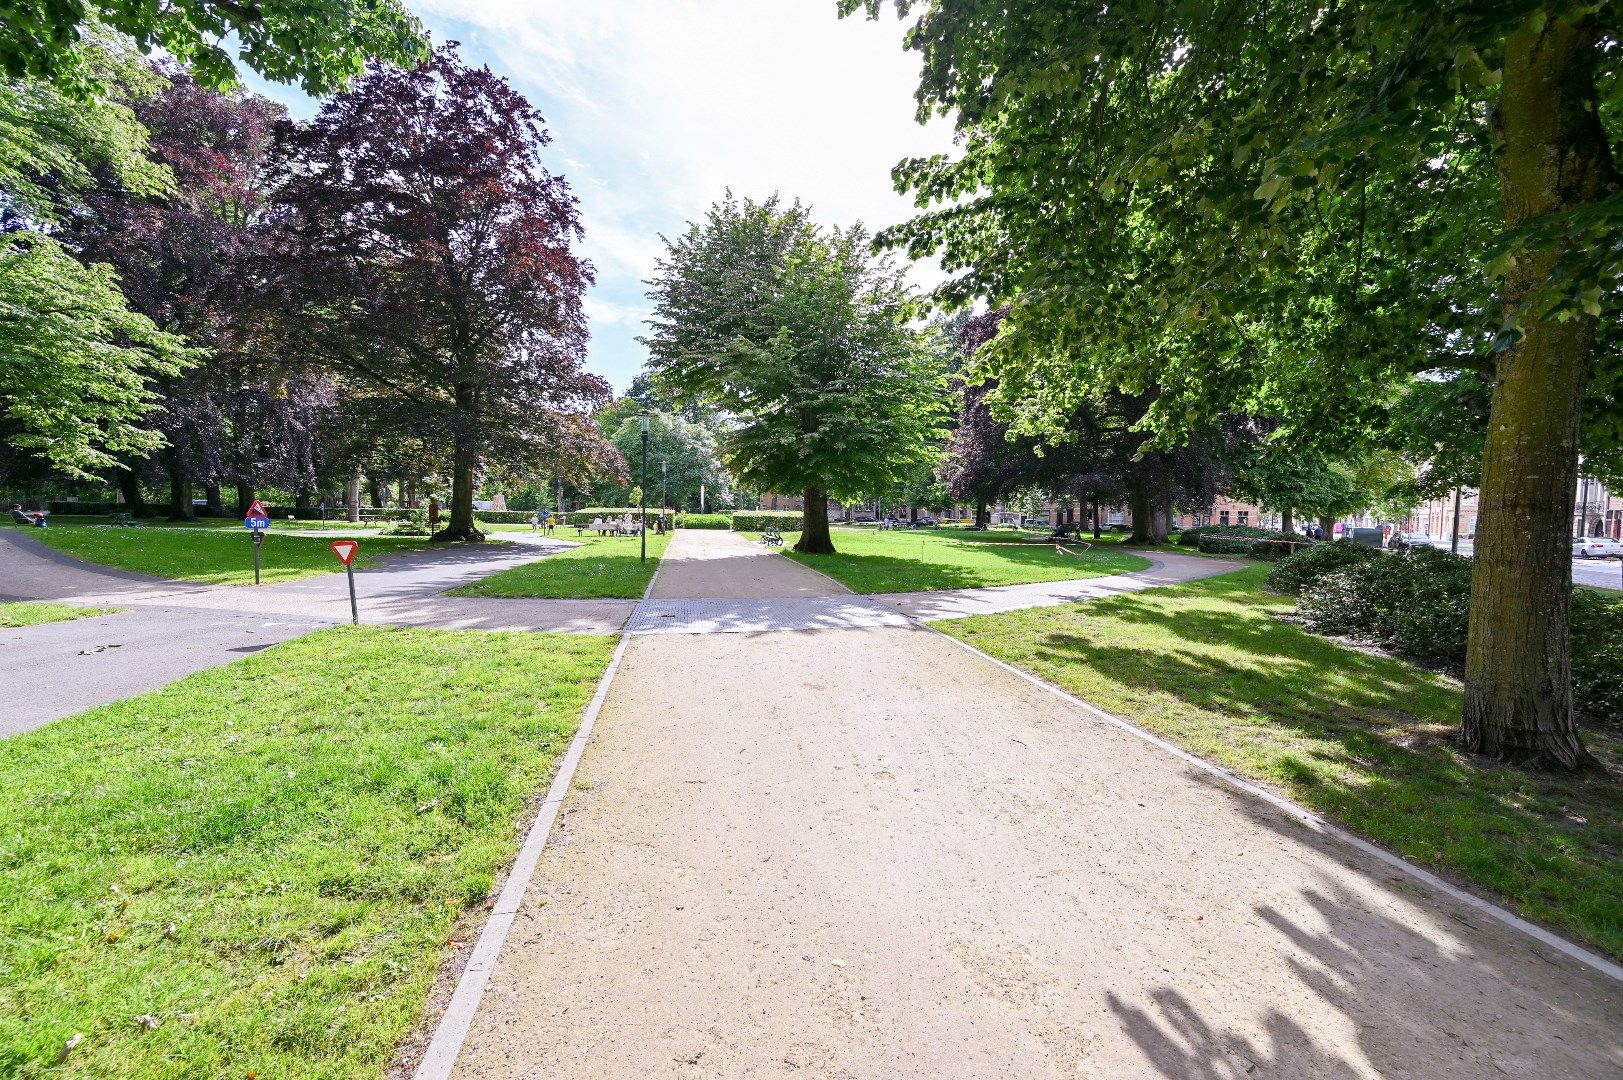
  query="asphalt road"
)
[{"x": 1598, "y": 573}]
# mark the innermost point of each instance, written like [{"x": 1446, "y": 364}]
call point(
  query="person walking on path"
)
[
  {"x": 433, "y": 514},
  {"x": 535, "y": 523}
]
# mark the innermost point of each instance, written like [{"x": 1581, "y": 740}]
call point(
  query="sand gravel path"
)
[{"x": 863, "y": 852}]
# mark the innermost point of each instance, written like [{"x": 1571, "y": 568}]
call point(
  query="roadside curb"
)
[
  {"x": 1304, "y": 816},
  {"x": 439, "y": 1059}
]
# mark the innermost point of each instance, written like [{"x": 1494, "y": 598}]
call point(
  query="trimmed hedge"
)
[
  {"x": 1296, "y": 572},
  {"x": 757, "y": 520},
  {"x": 704, "y": 521}
]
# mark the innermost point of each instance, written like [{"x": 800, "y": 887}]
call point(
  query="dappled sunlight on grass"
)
[
  {"x": 1360, "y": 737},
  {"x": 213, "y": 555},
  {"x": 917, "y": 560},
  {"x": 608, "y": 567}
]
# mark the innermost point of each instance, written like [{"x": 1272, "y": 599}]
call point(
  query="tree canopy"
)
[
  {"x": 319, "y": 44},
  {"x": 1293, "y": 210},
  {"x": 438, "y": 269},
  {"x": 804, "y": 337}
]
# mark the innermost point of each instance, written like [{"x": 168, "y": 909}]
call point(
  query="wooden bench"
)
[
  {"x": 771, "y": 538},
  {"x": 122, "y": 519}
]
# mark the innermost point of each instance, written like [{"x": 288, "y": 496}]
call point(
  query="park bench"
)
[
  {"x": 122, "y": 519},
  {"x": 771, "y": 538}
]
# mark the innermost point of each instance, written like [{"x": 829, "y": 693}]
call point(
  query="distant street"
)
[{"x": 1598, "y": 573}]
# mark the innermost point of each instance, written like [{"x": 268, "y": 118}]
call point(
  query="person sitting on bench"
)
[{"x": 33, "y": 519}]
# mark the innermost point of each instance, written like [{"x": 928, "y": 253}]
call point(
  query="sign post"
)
[
  {"x": 345, "y": 550},
  {"x": 256, "y": 521}
]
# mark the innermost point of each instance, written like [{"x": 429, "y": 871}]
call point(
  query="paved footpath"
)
[{"x": 863, "y": 852}]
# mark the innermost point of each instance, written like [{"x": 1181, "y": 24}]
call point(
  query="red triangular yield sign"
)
[
  {"x": 256, "y": 509},
  {"x": 345, "y": 550}
]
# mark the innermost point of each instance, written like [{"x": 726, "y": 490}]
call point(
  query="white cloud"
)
[{"x": 658, "y": 106}]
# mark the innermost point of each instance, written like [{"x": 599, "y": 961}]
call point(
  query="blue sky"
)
[{"x": 657, "y": 106}]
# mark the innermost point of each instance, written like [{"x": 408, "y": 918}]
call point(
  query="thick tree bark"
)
[
  {"x": 245, "y": 498},
  {"x": 215, "y": 505},
  {"x": 1518, "y": 685},
  {"x": 461, "y": 525},
  {"x": 1097, "y": 524},
  {"x": 129, "y": 486},
  {"x": 1287, "y": 521},
  {"x": 352, "y": 496},
  {"x": 1328, "y": 524},
  {"x": 814, "y": 536},
  {"x": 301, "y": 499},
  {"x": 1149, "y": 520},
  {"x": 379, "y": 494},
  {"x": 180, "y": 492},
  {"x": 983, "y": 516}
]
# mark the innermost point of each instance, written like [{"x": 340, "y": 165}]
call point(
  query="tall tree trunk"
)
[
  {"x": 1328, "y": 524},
  {"x": 129, "y": 486},
  {"x": 1149, "y": 520},
  {"x": 1287, "y": 521},
  {"x": 352, "y": 495},
  {"x": 216, "y": 505},
  {"x": 814, "y": 536},
  {"x": 461, "y": 525},
  {"x": 1554, "y": 157},
  {"x": 1097, "y": 524},
  {"x": 245, "y": 498},
  {"x": 301, "y": 499},
  {"x": 180, "y": 491},
  {"x": 408, "y": 494},
  {"x": 380, "y": 494},
  {"x": 983, "y": 516}
]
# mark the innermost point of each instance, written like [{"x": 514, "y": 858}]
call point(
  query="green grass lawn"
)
[
  {"x": 256, "y": 870},
  {"x": 14, "y": 613},
  {"x": 1362, "y": 739},
  {"x": 212, "y": 555},
  {"x": 913, "y": 560},
  {"x": 609, "y": 567}
]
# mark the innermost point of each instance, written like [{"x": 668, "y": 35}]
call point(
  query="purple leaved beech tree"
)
[
  {"x": 185, "y": 259},
  {"x": 426, "y": 255}
]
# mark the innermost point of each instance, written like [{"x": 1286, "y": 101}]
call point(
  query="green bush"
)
[
  {"x": 756, "y": 520},
  {"x": 1597, "y": 654},
  {"x": 1416, "y": 603},
  {"x": 504, "y": 517},
  {"x": 1295, "y": 572},
  {"x": 1239, "y": 540},
  {"x": 704, "y": 521},
  {"x": 1190, "y": 537}
]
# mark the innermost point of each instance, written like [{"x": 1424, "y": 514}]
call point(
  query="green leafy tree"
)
[
  {"x": 803, "y": 337},
  {"x": 74, "y": 359},
  {"x": 1291, "y": 209},
  {"x": 1289, "y": 482},
  {"x": 682, "y": 456},
  {"x": 320, "y": 44}
]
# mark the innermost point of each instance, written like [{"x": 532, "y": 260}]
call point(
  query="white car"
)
[{"x": 1597, "y": 547}]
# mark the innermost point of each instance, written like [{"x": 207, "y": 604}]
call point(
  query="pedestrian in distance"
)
[
  {"x": 433, "y": 514},
  {"x": 535, "y": 523}
]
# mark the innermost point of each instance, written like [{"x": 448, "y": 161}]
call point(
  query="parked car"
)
[
  {"x": 1597, "y": 547},
  {"x": 1403, "y": 540}
]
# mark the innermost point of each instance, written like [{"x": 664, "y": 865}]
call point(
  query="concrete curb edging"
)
[
  {"x": 439, "y": 1059},
  {"x": 1314, "y": 822}
]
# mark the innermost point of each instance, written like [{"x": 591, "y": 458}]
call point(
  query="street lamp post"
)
[
  {"x": 643, "y": 490},
  {"x": 664, "y": 466}
]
